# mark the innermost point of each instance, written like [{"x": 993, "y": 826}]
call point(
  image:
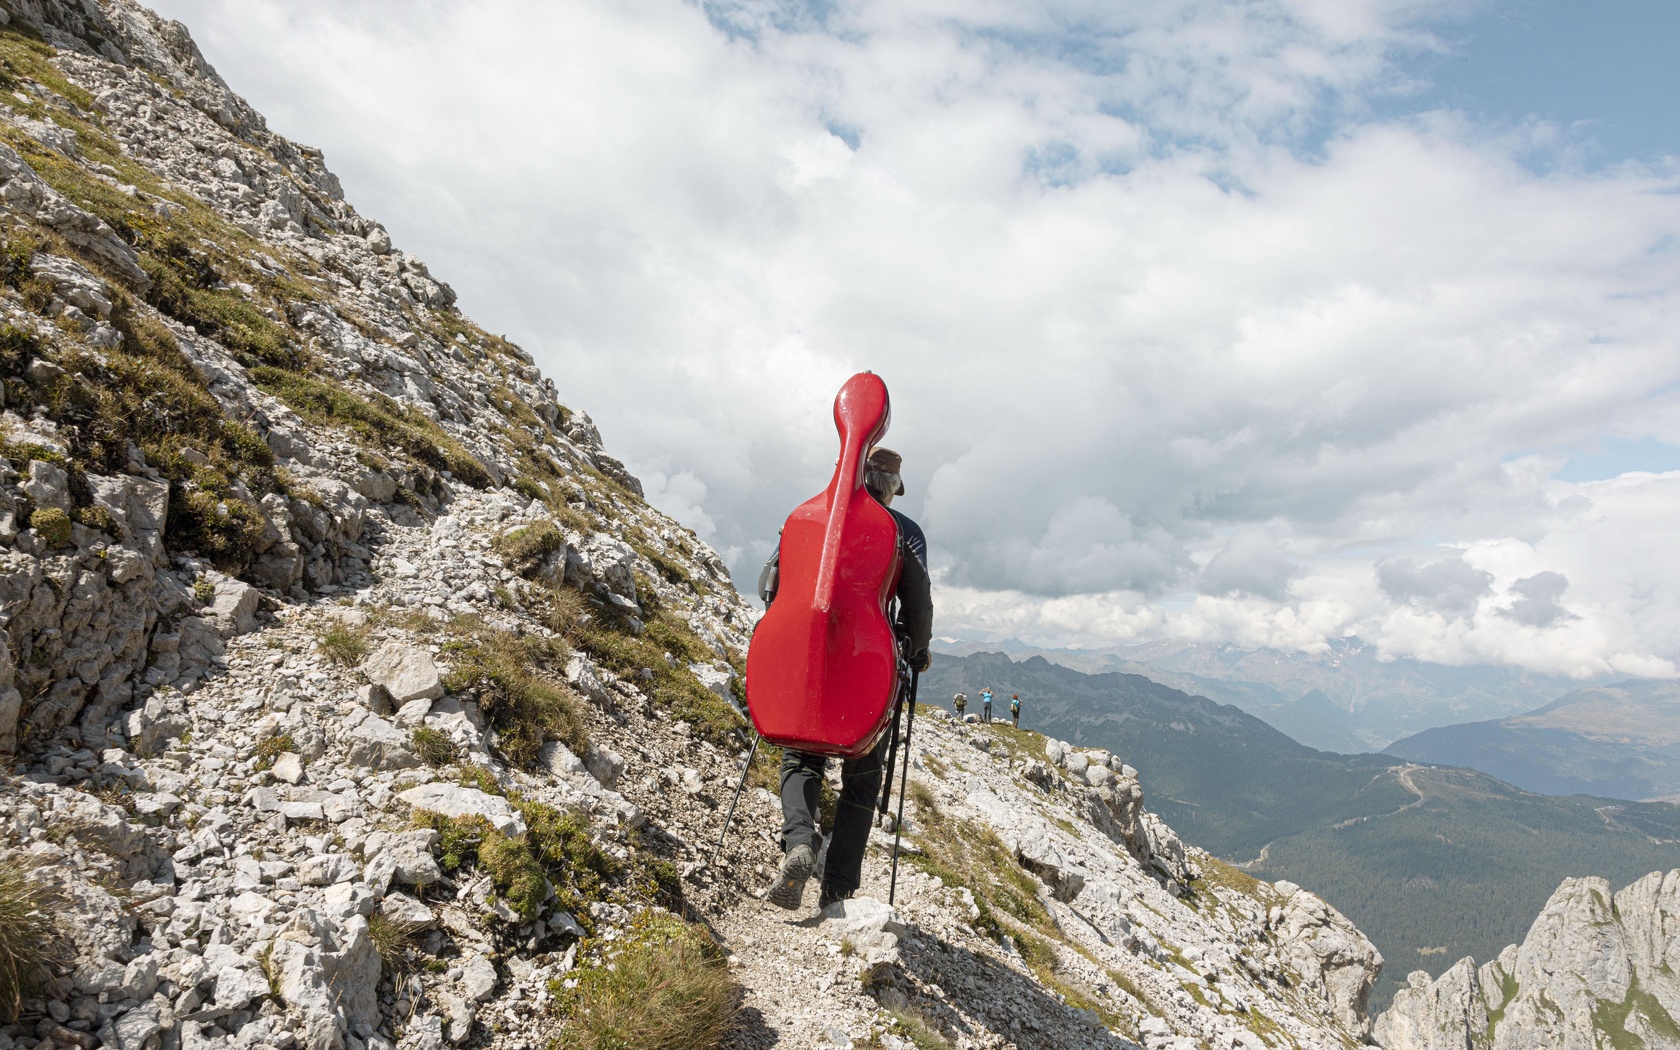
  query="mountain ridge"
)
[
  {"x": 1348, "y": 699},
  {"x": 1621, "y": 740}
]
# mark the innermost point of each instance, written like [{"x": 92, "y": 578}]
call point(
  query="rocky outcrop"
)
[
  {"x": 1334, "y": 962},
  {"x": 1595, "y": 970}
]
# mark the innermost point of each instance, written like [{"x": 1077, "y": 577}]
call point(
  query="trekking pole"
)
[
  {"x": 740, "y": 782},
  {"x": 884, "y": 802},
  {"x": 904, "y": 782}
]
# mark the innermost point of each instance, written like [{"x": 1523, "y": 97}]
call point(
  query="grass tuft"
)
[
  {"x": 342, "y": 643},
  {"x": 433, "y": 747},
  {"x": 524, "y": 707},
  {"x": 919, "y": 1028},
  {"x": 672, "y": 686},
  {"x": 664, "y": 987},
  {"x": 377, "y": 420},
  {"x": 524, "y": 548},
  {"x": 394, "y": 941},
  {"x": 29, "y": 934}
]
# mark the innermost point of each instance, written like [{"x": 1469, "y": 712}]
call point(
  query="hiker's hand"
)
[{"x": 919, "y": 662}]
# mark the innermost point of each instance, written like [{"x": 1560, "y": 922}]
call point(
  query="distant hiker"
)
[
  {"x": 959, "y": 702},
  {"x": 860, "y": 778},
  {"x": 986, "y": 704},
  {"x": 1015, "y": 710}
]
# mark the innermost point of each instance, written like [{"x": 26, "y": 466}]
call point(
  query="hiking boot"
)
[
  {"x": 828, "y": 896},
  {"x": 789, "y": 889}
]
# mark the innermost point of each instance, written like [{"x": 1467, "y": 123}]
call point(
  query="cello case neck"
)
[{"x": 862, "y": 412}]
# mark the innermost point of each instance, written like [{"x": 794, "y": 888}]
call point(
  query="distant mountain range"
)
[
  {"x": 1620, "y": 740},
  {"x": 1346, "y": 699},
  {"x": 1433, "y": 864}
]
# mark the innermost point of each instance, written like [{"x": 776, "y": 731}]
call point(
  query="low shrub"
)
[
  {"x": 51, "y": 525},
  {"x": 29, "y": 934},
  {"x": 556, "y": 848},
  {"x": 513, "y": 867},
  {"x": 664, "y": 987},
  {"x": 579, "y": 869},
  {"x": 97, "y": 517},
  {"x": 273, "y": 748}
]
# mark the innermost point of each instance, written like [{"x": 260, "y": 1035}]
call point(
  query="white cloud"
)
[{"x": 1142, "y": 277}]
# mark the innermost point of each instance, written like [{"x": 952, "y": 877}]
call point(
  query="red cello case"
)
[{"x": 822, "y": 668}]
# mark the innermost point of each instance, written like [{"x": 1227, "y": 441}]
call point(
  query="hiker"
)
[
  {"x": 986, "y": 704},
  {"x": 860, "y": 778},
  {"x": 959, "y": 702},
  {"x": 1015, "y": 710}
]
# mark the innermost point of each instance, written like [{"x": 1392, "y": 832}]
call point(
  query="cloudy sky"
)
[{"x": 1261, "y": 321}]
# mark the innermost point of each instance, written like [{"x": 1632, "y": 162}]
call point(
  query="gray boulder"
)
[
  {"x": 378, "y": 744},
  {"x": 233, "y": 607},
  {"x": 407, "y": 672}
]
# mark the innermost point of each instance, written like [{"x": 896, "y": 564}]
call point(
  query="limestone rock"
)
[
  {"x": 1594, "y": 970},
  {"x": 233, "y": 608},
  {"x": 478, "y": 979},
  {"x": 407, "y": 672},
  {"x": 1332, "y": 960},
  {"x": 558, "y": 759},
  {"x": 378, "y": 744},
  {"x": 453, "y": 800},
  {"x": 330, "y": 981},
  {"x": 604, "y": 764},
  {"x": 403, "y": 856},
  {"x": 288, "y": 767},
  {"x": 871, "y": 926},
  {"x": 1038, "y": 854},
  {"x": 237, "y": 985},
  {"x": 407, "y": 912},
  {"x": 326, "y": 869}
]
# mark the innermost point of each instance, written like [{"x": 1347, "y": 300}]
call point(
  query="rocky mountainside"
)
[
  {"x": 354, "y": 698},
  {"x": 1431, "y": 863},
  {"x": 1595, "y": 970},
  {"x": 1619, "y": 740}
]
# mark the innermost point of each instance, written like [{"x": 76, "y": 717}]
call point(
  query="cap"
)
[{"x": 890, "y": 462}]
